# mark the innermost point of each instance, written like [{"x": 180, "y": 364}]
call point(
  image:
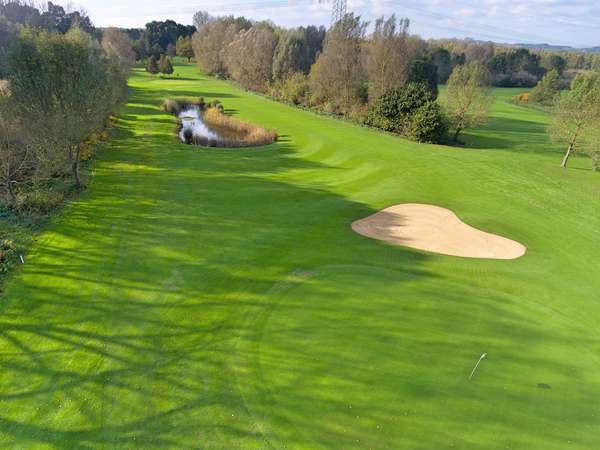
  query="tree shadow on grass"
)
[
  {"x": 121, "y": 329},
  {"x": 204, "y": 299},
  {"x": 511, "y": 134}
]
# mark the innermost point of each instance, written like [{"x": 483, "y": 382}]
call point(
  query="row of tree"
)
[
  {"x": 387, "y": 79},
  {"x": 61, "y": 90},
  {"x": 16, "y": 14}
]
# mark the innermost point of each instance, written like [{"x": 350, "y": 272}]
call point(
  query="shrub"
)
[
  {"x": 523, "y": 97},
  {"x": 8, "y": 252},
  {"x": 547, "y": 89},
  {"x": 152, "y": 65},
  {"x": 427, "y": 124},
  {"x": 392, "y": 111},
  {"x": 171, "y": 107},
  {"x": 201, "y": 103},
  {"x": 38, "y": 201},
  {"x": 596, "y": 161},
  {"x": 294, "y": 89},
  {"x": 165, "y": 66}
]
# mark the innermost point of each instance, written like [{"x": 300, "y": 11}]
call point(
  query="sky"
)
[{"x": 560, "y": 22}]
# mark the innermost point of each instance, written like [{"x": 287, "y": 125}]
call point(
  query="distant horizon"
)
[{"x": 556, "y": 22}]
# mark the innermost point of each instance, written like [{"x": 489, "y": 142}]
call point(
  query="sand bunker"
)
[{"x": 435, "y": 229}]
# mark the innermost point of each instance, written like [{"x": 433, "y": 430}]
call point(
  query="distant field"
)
[{"x": 218, "y": 299}]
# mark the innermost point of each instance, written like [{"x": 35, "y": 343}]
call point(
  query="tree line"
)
[
  {"x": 61, "y": 88},
  {"x": 389, "y": 78}
]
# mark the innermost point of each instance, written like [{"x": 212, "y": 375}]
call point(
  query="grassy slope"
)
[{"x": 218, "y": 298}]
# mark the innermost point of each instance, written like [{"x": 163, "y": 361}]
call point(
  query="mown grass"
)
[{"x": 206, "y": 298}]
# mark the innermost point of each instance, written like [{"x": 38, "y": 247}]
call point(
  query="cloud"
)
[{"x": 568, "y": 22}]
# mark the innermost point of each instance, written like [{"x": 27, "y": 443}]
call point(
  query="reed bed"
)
[{"x": 237, "y": 133}]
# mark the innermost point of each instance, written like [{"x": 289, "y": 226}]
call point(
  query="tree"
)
[
  {"x": 56, "y": 19},
  {"x": 152, "y": 65},
  {"x": 184, "y": 48},
  {"x": 468, "y": 97},
  {"x": 386, "y": 57},
  {"x": 15, "y": 154},
  {"x": 171, "y": 50},
  {"x": 8, "y": 34},
  {"x": 249, "y": 58},
  {"x": 210, "y": 41},
  {"x": 118, "y": 45},
  {"x": 201, "y": 18},
  {"x": 159, "y": 35},
  {"x": 558, "y": 63},
  {"x": 423, "y": 70},
  {"x": 338, "y": 75},
  {"x": 547, "y": 89},
  {"x": 297, "y": 50},
  {"x": 442, "y": 59},
  {"x": 576, "y": 116},
  {"x": 62, "y": 85},
  {"x": 165, "y": 66}
]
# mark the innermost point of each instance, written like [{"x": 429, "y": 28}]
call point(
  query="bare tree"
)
[
  {"x": 576, "y": 116},
  {"x": 117, "y": 45},
  {"x": 15, "y": 154},
  {"x": 386, "y": 56},
  {"x": 468, "y": 96},
  {"x": 249, "y": 58},
  {"x": 202, "y": 18},
  {"x": 210, "y": 41}
]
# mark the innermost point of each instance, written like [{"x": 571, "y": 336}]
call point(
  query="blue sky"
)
[{"x": 564, "y": 22}]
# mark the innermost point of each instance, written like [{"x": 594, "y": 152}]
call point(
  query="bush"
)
[
  {"x": 392, "y": 111},
  {"x": 152, "y": 65},
  {"x": 523, "y": 97},
  {"x": 171, "y": 107},
  {"x": 165, "y": 66},
  {"x": 547, "y": 89},
  {"x": 427, "y": 124},
  {"x": 596, "y": 161},
  {"x": 8, "y": 251},
  {"x": 38, "y": 202},
  {"x": 294, "y": 89}
]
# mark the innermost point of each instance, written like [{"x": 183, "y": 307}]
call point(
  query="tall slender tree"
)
[
  {"x": 576, "y": 116},
  {"x": 338, "y": 74},
  {"x": 468, "y": 97},
  {"x": 386, "y": 56}
]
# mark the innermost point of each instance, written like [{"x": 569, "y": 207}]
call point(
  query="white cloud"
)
[{"x": 571, "y": 22}]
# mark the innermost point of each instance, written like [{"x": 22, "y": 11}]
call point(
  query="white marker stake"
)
[
  {"x": 22, "y": 260},
  {"x": 477, "y": 365}
]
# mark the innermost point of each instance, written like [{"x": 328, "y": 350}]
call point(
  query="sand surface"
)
[{"x": 438, "y": 230}]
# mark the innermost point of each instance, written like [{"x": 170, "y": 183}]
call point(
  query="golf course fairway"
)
[{"x": 219, "y": 299}]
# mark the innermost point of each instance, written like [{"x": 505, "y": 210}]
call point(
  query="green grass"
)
[{"x": 218, "y": 299}]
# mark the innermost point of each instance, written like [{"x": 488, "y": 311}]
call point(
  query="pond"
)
[
  {"x": 211, "y": 127},
  {"x": 194, "y": 130}
]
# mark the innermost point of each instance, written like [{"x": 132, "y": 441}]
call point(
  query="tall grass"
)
[{"x": 237, "y": 133}]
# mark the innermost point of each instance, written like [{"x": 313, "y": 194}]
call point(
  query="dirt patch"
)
[{"x": 438, "y": 230}]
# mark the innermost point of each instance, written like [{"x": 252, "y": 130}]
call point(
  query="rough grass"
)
[
  {"x": 219, "y": 300},
  {"x": 238, "y": 133}
]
